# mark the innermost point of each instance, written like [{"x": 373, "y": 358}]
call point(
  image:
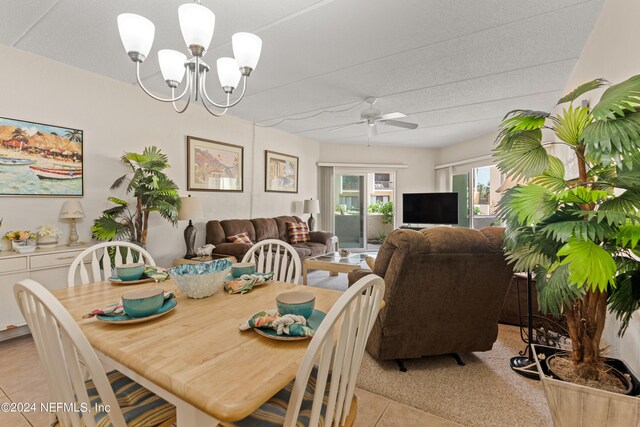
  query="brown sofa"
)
[
  {"x": 260, "y": 229},
  {"x": 445, "y": 287}
]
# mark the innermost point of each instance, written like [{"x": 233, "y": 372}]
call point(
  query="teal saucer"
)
[
  {"x": 167, "y": 306},
  {"x": 313, "y": 322}
]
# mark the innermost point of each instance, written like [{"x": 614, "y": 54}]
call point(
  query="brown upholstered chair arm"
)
[
  {"x": 358, "y": 274},
  {"x": 320, "y": 237}
]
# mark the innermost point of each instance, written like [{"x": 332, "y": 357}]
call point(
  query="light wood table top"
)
[{"x": 197, "y": 352}]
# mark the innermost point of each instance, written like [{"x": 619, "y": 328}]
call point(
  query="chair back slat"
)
[
  {"x": 61, "y": 345},
  {"x": 273, "y": 255},
  {"x": 355, "y": 313},
  {"x": 100, "y": 253}
]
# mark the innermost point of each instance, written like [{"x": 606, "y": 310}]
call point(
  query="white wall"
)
[
  {"x": 117, "y": 117},
  {"x": 418, "y": 177},
  {"x": 612, "y": 53},
  {"x": 476, "y": 147}
]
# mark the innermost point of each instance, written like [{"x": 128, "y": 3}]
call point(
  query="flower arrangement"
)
[
  {"x": 50, "y": 231},
  {"x": 20, "y": 235}
]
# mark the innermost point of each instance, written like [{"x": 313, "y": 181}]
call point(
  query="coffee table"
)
[{"x": 334, "y": 263}]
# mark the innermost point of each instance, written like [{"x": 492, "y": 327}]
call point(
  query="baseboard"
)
[{"x": 7, "y": 334}]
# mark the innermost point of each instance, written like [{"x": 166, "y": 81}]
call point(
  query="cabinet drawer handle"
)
[{"x": 66, "y": 257}]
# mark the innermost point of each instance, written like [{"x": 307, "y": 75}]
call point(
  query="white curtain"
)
[{"x": 326, "y": 197}]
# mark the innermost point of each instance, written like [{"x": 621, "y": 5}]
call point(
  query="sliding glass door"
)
[{"x": 350, "y": 213}]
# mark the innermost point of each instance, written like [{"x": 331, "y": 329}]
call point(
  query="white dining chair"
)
[
  {"x": 61, "y": 346},
  {"x": 323, "y": 391},
  {"x": 101, "y": 251},
  {"x": 273, "y": 255}
]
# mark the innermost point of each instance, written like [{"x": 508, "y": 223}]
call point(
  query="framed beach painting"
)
[
  {"x": 214, "y": 166},
  {"x": 281, "y": 172},
  {"x": 40, "y": 160}
]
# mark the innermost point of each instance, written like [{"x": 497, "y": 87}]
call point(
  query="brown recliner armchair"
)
[{"x": 445, "y": 287}]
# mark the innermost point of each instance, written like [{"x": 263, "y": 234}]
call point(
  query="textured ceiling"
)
[{"x": 454, "y": 67}]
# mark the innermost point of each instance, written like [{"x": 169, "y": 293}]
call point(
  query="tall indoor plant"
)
[
  {"x": 153, "y": 190},
  {"x": 578, "y": 235}
]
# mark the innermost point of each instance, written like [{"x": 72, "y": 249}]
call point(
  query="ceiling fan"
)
[{"x": 372, "y": 116}]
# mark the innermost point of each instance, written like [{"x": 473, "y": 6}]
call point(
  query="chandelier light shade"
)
[
  {"x": 172, "y": 65},
  {"x": 197, "y": 24},
  {"x": 136, "y": 33},
  {"x": 246, "y": 49},
  {"x": 228, "y": 72}
]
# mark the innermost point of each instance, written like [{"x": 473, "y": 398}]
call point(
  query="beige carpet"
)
[{"x": 485, "y": 392}]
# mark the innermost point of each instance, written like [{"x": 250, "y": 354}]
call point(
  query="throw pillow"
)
[
  {"x": 240, "y": 238},
  {"x": 298, "y": 233}
]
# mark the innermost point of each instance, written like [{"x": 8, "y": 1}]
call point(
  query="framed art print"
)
[
  {"x": 40, "y": 160},
  {"x": 281, "y": 172},
  {"x": 214, "y": 166}
]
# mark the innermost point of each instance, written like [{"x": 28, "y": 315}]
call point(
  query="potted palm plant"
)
[
  {"x": 153, "y": 190},
  {"x": 578, "y": 235}
]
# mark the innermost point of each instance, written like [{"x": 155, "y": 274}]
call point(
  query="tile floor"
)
[{"x": 22, "y": 380}]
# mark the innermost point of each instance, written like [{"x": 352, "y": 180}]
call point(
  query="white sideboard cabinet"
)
[{"x": 47, "y": 266}]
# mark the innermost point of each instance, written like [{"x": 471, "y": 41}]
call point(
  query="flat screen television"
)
[{"x": 430, "y": 208}]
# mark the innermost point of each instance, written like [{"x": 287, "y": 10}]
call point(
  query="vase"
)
[
  {"x": 15, "y": 244},
  {"x": 47, "y": 241}
]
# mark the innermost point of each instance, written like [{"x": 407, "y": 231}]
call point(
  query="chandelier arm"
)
[
  {"x": 175, "y": 107},
  {"x": 206, "y": 107},
  {"x": 152, "y": 95},
  {"x": 204, "y": 95}
]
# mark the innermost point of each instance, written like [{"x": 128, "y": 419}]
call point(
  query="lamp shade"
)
[
  {"x": 246, "y": 49},
  {"x": 191, "y": 209},
  {"x": 136, "y": 33},
  {"x": 71, "y": 209},
  {"x": 172, "y": 64},
  {"x": 311, "y": 206},
  {"x": 197, "y": 24},
  {"x": 228, "y": 72}
]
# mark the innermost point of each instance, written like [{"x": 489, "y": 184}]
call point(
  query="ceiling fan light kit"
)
[
  {"x": 372, "y": 116},
  {"x": 197, "y": 24}
]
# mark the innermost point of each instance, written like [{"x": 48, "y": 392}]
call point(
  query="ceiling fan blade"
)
[
  {"x": 372, "y": 130},
  {"x": 391, "y": 116},
  {"x": 400, "y": 124},
  {"x": 345, "y": 126}
]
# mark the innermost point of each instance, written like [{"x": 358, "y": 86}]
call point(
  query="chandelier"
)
[{"x": 197, "y": 25}]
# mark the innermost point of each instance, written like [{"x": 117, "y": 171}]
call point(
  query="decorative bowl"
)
[
  {"x": 201, "y": 280},
  {"x": 142, "y": 302},
  {"x": 240, "y": 268},
  {"x": 296, "y": 302},
  {"x": 127, "y": 272}
]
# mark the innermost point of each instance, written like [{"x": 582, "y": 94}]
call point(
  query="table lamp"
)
[
  {"x": 311, "y": 207},
  {"x": 191, "y": 209},
  {"x": 72, "y": 209}
]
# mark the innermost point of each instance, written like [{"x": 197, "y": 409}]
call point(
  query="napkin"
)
[
  {"x": 287, "y": 324},
  {"x": 158, "y": 274},
  {"x": 117, "y": 309},
  {"x": 246, "y": 282}
]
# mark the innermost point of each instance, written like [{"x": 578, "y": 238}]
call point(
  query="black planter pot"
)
[{"x": 617, "y": 364}]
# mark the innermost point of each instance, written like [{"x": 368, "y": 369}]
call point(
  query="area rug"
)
[{"x": 485, "y": 392}]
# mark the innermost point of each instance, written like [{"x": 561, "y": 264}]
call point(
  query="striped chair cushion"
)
[
  {"x": 298, "y": 232},
  {"x": 240, "y": 238},
  {"x": 140, "y": 407},
  {"x": 273, "y": 412}
]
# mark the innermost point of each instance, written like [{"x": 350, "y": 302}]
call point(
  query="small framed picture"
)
[
  {"x": 281, "y": 173},
  {"x": 214, "y": 166}
]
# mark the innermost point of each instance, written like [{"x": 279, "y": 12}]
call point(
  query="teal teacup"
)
[
  {"x": 240, "y": 268},
  {"x": 296, "y": 302},
  {"x": 129, "y": 272},
  {"x": 142, "y": 302}
]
